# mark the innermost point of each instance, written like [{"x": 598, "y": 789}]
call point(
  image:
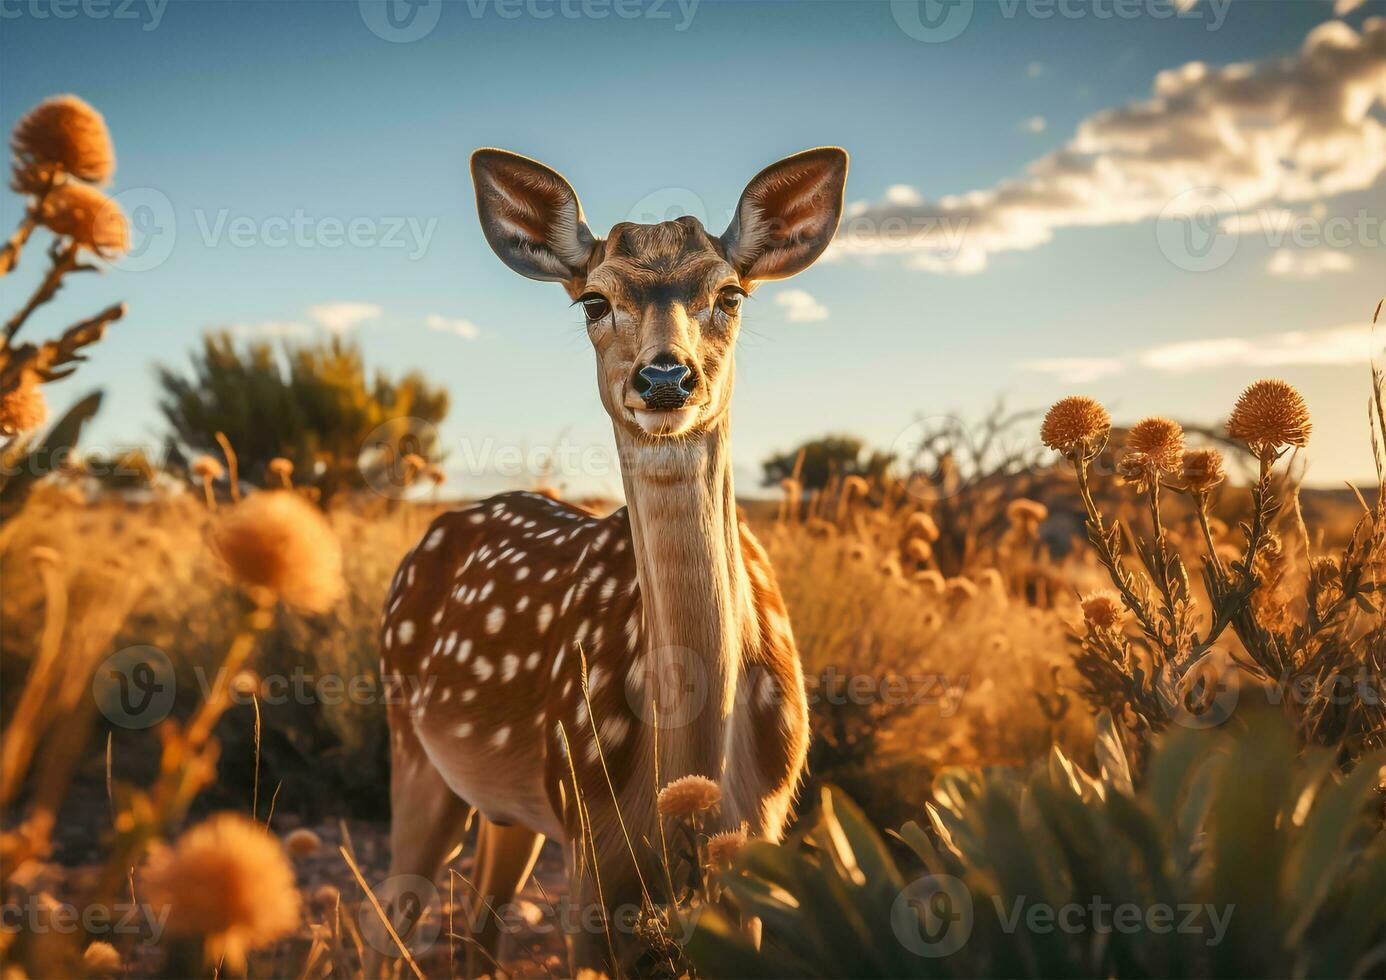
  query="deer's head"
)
[{"x": 662, "y": 302}]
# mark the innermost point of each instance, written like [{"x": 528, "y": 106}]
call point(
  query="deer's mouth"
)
[{"x": 669, "y": 422}]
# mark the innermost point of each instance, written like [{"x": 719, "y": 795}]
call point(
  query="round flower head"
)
[
  {"x": 302, "y": 842},
  {"x": 227, "y": 882},
  {"x": 1159, "y": 438},
  {"x": 101, "y": 959},
  {"x": 688, "y": 795},
  {"x": 88, "y": 217},
  {"x": 919, "y": 550},
  {"x": 1202, "y": 470},
  {"x": 207, "y": 468},
  {"x": 1025, "y": 511},
  {"x": 1139, "y": 470},
  {"x": 922, "y": 524},
  {"x": 1270, "y": 414},
  {"x": 278, "y": 542},
  {"x": 855, "y": 486},
  {"x": 23, "y": 408},
  {"x": 1103, "y": 610},
  {"x": 1074, "y": 422},
  {"x": 723, "y": 848},
  {"x": 61, "y": 135},
  {"x": 280, "y": 466}
]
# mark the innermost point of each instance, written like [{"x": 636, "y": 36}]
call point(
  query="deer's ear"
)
[
  {"x": 787, "y": 215},
  {"x": 530, "y": 216}
]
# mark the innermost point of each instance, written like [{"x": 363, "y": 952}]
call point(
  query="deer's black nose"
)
[{"x": 665, "y": 383}]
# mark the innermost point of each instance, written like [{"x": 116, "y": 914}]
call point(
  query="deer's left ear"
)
[{"x": 787, "y": 215}]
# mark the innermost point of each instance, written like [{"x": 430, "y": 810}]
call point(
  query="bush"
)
[
  {"x": 1278, "y": 859},
  {"x": 314, "y": 406}
]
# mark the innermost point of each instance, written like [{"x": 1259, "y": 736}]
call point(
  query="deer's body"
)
[
  {"x": 563, "y": 667},
  {"x": 533, "y": 589}
]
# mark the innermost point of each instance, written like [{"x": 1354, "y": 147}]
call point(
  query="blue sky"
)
[{"x": 236, "y": 121}]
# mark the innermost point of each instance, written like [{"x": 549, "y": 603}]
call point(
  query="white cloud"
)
[
  {"x": 1308, "y": 263},
  {"x": 800, "y": 306},
  {"x": 463, "y": 328},
  {"x": 1035, "y": 124},
  {"x": 1345, "y": 345},
  {"x": 1076, "y": 370},
  {"x": 270, "y": 329},
  {"x": 341, "y": 317},
  {"x": 1282, "y": 131}
]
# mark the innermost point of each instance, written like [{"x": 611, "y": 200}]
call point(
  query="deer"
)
[{"x": 561, "y": 663}]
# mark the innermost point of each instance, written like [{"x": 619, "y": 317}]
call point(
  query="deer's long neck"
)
[{"x": 697, "y": 597}]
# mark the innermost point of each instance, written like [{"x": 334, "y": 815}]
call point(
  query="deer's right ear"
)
[{"x": 531, "y": 216}]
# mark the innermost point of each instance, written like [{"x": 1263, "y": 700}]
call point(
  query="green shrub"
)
[{"x": 1235, "y": 857}]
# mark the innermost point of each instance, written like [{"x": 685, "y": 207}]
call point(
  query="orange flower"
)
[
  {"x": 1073, "y": 423},
  {"x": 88, "y": 217},
  {"x": 1202, "y": 470},
  {"x": 723, "y": 848},
  {"x": 688, "y": 795},
  {"x": 276, "y": 541},
  {"x": 228, "y": 882},
  {"x": 1103, "y": 610},
  {"x": 1159, "y": 438},
  {"x": 61, "y": 135},
  {"x": 1139, "y": 470},
  {"x": 23, "y": 408},
  {"x": 1270, "y": 414}
]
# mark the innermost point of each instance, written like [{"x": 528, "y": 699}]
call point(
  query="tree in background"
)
[
  {"x": 310, "y": 403},
  {"x": 833, "y": 455}
]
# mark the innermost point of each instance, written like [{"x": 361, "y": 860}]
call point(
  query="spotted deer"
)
[{"x": 561, "y": 662}]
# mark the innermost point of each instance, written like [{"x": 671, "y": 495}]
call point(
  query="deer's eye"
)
[
  {"x": 595, "y": 307},
  {"x": 729, "y": 300}
]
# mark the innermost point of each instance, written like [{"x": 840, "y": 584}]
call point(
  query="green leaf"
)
[{"x": 1111, "y": 755}]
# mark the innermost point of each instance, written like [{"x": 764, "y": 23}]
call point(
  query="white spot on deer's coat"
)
[
  {"x": 614, "y": 731},
  {"x": 501, "y": 737},
  {"x": 609, "y": 589},
  {"x": 510, "y": 665},
  {"x": 409, "y": 579},
  {"x": 521, "y": 573},
  {"x": 434, "y": 539},
  {"x": 464, "y": 729},
  {"x": 482, "y": 668},
  {"x": 522, "y": 603},
  {"x": 389, "y": 639},
  {"x": 581, "y": 716},
  {"x": 464, "y": 650},
  {"x": 495, "y": 619},
  {"x": 548, "y": 576},
  {"x": 596, "y": 677},
  {"x": 532, "y": 660},
  {"x": 543, "y": 617},
  {"x": 557, "y": 662},
  {"x": 486, "y": 589},
  {"x": 406, "y": 631}
]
